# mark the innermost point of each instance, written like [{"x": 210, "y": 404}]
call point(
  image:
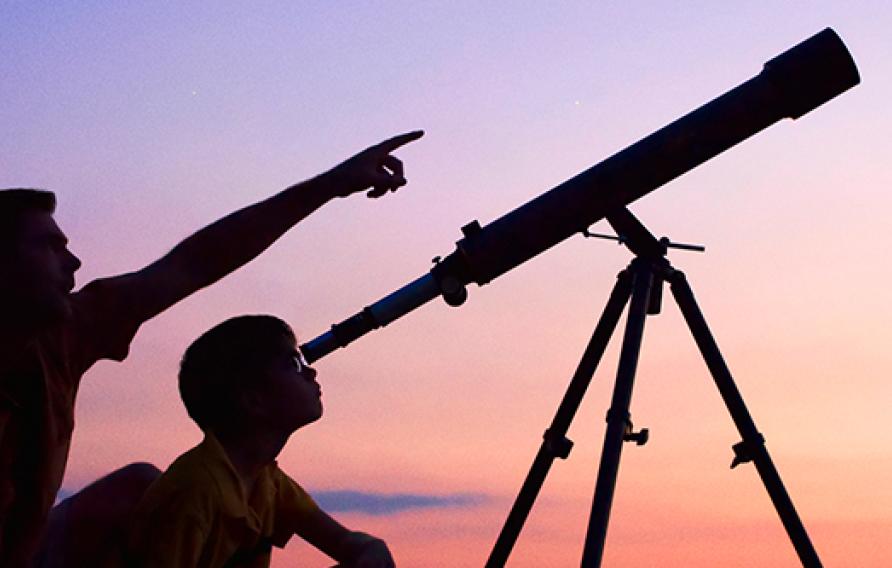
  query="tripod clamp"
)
[
  {"x": 557, "y": 445},
  {"x": 745, "y": 450}
]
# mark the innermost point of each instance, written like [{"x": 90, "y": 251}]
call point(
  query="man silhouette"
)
[{"x": 50, "y": 336}]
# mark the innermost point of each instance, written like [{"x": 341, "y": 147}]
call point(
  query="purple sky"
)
[{"x": 152, "y": 119}]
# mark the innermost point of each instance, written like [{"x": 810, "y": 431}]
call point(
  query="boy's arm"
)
[
  {"x": 351, "y": 549},
  {"x": 227, "y": 244}
]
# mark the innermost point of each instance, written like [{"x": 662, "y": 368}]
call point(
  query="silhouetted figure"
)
[
  {"x": 49, "y": 337},
  {"x": 226, "y": 502}
]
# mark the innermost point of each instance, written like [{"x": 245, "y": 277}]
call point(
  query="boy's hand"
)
[
  {"x": 366, "y": 551},
  {"x": 374, "y": 555},
  {"x": 373, "y": 167}
]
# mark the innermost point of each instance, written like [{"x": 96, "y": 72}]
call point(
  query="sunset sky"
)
[{"x": 151, "y": 119}]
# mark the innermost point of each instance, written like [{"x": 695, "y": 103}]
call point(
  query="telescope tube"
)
[{"x": 790, "y": 85}]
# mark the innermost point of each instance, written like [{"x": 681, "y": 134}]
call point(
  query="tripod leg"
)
[
  {"x": 554, "y": 443},
  {"x": 752, "y": 448},
  {"x": 618, "y": 415}
]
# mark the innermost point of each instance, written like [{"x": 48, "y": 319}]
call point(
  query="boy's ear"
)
[{"x": 251, "y": 402}]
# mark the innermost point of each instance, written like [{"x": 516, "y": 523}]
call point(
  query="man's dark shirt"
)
[{"x": 37, "y": 395}]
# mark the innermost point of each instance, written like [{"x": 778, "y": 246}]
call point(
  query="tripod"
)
[{"x": 642, "y": 281}]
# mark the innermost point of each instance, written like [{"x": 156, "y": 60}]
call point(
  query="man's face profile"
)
[{"x": 38, "y": 271}]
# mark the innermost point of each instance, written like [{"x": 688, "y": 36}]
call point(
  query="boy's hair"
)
[
  {"x": 220, "y": 365},
  {"x": 14, "y": 203}
]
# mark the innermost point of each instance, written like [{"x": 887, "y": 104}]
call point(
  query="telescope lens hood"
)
[{"x": 812, "y": 72}]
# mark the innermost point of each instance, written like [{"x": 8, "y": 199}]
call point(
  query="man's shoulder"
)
[
  {"x": 95, "y": 329},
  {"x": 103, "y": 317}
]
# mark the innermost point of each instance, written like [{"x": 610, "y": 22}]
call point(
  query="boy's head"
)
[
  {"x": 245, "y": 374},
  {"x": 37, "y": 267}
]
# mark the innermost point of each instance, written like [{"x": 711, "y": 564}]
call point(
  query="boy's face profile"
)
[{"x": 286, "y": 395}]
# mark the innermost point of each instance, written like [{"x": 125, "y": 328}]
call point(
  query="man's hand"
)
[{"x": 373, "y": 167}]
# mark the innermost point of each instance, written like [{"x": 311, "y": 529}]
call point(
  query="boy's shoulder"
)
[
  {"x": 203, "y": 484},
  {"x": 192, "y": 482}
]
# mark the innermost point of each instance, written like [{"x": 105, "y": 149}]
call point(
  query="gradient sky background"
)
[{"x": 152, "y": 119}]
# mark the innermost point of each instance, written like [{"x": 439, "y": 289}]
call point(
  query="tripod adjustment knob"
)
[{"x": 640, "y": 438}]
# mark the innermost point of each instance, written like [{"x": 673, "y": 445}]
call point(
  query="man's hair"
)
[
  {"x": 14, "y": 204},
  {"x": 222, "y": 363}
]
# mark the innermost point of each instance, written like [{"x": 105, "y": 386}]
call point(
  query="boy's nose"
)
[{"x": 73, "y": 261}]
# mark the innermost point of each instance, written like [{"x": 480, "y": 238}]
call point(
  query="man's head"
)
[
  {"x": 245, "y": 374},
  {"x": 36, "y": 267}
]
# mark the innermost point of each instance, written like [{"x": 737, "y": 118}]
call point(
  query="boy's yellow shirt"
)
[{"x": 196, "y": 515}]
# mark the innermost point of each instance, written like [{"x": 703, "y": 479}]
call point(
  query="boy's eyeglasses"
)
[{"x": 300, "y": 363}]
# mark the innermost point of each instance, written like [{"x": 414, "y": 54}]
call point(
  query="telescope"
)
[{"x": 789, "y": 85}]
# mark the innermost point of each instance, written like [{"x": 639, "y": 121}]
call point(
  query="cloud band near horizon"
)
[{"x": 379, "y": 504}]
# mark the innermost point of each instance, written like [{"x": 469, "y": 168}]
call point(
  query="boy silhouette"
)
[
  {"x": 225, "y": 503},
  {"x": 50, "y": 336}
]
